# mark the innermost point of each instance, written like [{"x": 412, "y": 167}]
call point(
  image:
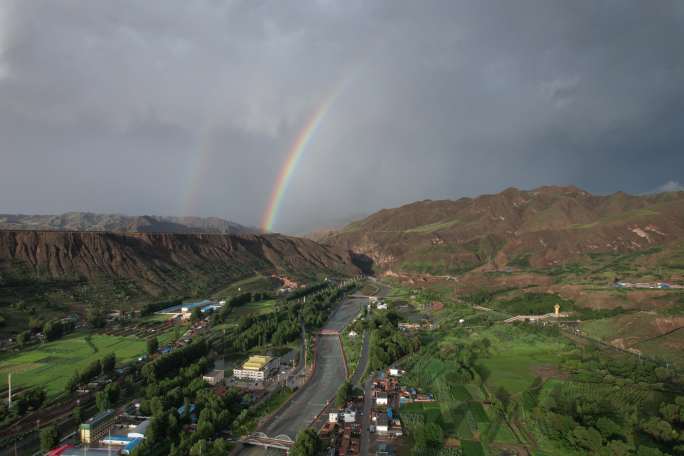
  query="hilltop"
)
[
  {"x": 86, "y": 221},
  {"x": 543, "y": 228}
]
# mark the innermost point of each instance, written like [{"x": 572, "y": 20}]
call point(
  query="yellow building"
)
[
  {"x": 97, "y": 427},
  {"x": 257, "y": 367}
]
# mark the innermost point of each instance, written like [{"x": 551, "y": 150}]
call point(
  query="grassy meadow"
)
[{"x": 52, "y": 364}]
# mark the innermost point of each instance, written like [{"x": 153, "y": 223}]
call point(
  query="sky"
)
[{"x": 183, "y": 107}]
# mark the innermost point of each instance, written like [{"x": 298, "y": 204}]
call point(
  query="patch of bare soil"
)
[
  {"x": 437, "y": 306},
  {"x": 509, "y": 449},
  {"x": 474, "y": 281},
  {"x": 546, "y": 372}
]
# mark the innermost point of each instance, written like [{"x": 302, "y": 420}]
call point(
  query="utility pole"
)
[
  {"x": 9, "y": 382},
  {"x": 306, "y": 351}
]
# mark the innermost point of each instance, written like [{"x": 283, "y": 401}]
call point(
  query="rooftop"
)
[
  {"x": 97, "y": 419},
  {"x": 256, "y": 362}
]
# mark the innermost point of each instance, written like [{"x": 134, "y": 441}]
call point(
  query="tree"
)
[
  {"x": 648, "y": 451},
  {"x": 108, "y": 364},
  {"x": 48, "y": 438},
  {"x": 343, "y": 394},
  {"x": 659, "y": 429},
  {"x": 196, "y": 314},
  {"x": 307, "y": 444},
  {"x": 220, "y": 448},
  {"x": 23, "y": 337},
  {"x": 95, "y": 315},
  {"x": 77, "y": 414},
  {"x": 102, "y": 401},
  {"x": 588, "y": 439},
  {"x": 618, "y": 448},
  {"x": 35, "y": 324},
  {"x": 430, "y": 435},
  {"x": 51, "y": 330},
  {"x": 199, "y": 448},
  {"x": 152, "y": 345},
  {"x": 608, "y": 428},
  {"x": 504, "y": 397}
]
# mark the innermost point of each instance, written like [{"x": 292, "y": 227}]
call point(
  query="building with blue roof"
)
[{"x": 128, "y": 449}]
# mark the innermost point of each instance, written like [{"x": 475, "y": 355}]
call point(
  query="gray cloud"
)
[
  {"x": 191, "y": 106},
  {"x": 669, "y": 186}
]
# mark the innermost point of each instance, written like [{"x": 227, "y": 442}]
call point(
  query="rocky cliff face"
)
[
  {"x": 166, "y": 262},
  {"x": 545, "y": 227}
]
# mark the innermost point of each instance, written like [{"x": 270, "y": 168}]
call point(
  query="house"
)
[
  {"x": 349, "y": 417},
  {"x": 408, "y": 326},
  {"x": 394, "y": 372},
  {"x": 191, "y": 412},
  {"x": 382, "y": 424},
  {"x": 381, "y": 399},
  {"x": 214, "y": 377}
]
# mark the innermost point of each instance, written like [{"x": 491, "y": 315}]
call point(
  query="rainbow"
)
[
  {"x": 294, "y": 155},
  {"x": 196, "y": 169}
]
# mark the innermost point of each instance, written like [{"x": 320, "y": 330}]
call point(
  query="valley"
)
[{"x": 546, "y": 311}]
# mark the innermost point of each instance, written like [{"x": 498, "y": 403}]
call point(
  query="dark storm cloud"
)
[{"x": 184, "y": 106}]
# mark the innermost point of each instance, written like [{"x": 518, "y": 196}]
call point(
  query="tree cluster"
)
[
  {"x": 388, "y": 343},
  {"x": 55, "y": 329},
  {"x": 608, "y": 424},
  {"x": 170, "y": 363},
  {"x": 104, "y": 366}
]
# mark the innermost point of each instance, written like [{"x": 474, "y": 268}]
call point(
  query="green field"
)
[
  {"x": 253, "y": 284},
  {"x": 52, "y": 364},
  {"x": 514, "y": 361},
  {"x": 352, "y": 350},
  {"x": 255, "y": 308}
]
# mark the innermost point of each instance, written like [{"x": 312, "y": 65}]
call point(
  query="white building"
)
[
  {"x": 349, "y": 417},
  {"x": 353, "y": 333},
  {"x": 381, "y": 399},
  {"x": 382, "y": 306},
  {"x": 138, "y": 432},
  {"x": 382, "y": 424},
  {"x": 214, "y": 377},
  {"x": 257, "y": 368}
]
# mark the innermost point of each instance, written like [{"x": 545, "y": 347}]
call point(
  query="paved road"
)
[
  {"x": 366, "y": 418},
  {"x": 363, "y": 360},
  {"x": 322, "y": 387}
]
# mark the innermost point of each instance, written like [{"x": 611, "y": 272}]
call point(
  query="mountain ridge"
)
[
  {"x": 90, "y": 221},
  {"x": 159, "y": 263},
  {"x": 551, "y": 225}
]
